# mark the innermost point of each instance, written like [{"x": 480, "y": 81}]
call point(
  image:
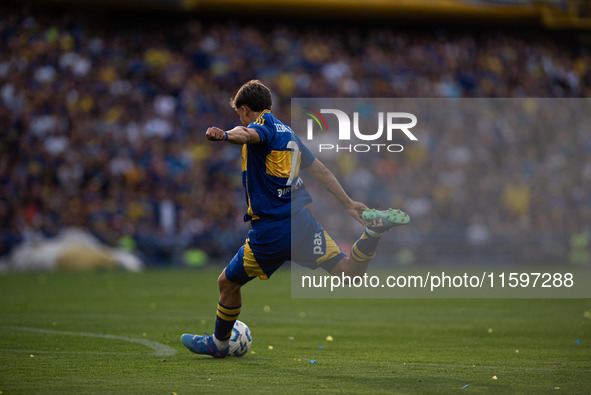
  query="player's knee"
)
[
  {"x": 222, "y": 281},
  {"x": 225, "y": 285}
]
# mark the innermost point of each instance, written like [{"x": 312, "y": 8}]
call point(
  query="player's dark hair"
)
[{"x": 253, "y": 94}]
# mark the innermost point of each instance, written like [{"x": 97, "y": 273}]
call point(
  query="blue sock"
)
[
  {"x": 225, "y": 319},
  {"x": 364, "y": 249}
]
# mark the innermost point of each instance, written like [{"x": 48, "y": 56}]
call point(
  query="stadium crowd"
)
[{"x": 103, "y": 126}]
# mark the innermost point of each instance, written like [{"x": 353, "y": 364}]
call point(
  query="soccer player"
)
[{"x": 272, "y": 156}]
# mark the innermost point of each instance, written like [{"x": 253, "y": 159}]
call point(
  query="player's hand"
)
[
  {"x": 215, "y": 134},
  {"x": 355, "y": 210}
]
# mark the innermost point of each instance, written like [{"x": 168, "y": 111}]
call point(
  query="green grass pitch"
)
[{"x": 119, "y": 332}]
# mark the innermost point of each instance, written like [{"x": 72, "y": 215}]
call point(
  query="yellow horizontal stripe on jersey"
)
[
  {"x": 251, "y": 266},
  {"x": 279, "y": 163}
]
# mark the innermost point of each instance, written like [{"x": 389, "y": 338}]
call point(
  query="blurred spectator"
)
[{"x": 102, "y": 126}]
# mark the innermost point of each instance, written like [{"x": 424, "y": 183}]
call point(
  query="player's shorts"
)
[{"x": 299, "y": 239}]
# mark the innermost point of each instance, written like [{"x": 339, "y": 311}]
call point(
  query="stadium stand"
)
[{"x": 102, "y": 127}]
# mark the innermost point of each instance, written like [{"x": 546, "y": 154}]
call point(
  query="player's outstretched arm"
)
[
  {"x": 330, "y": 182},
  {"x": 237, "y": 135}
]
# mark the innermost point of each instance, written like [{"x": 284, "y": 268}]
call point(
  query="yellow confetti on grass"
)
[
  {"x": 490, "y": 330},
  {"x": 329, "y": 338},
  {"x": 270, "y": 347},
  {"x": 494, "y": 377}
]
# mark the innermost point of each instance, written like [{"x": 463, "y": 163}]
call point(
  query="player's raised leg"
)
[
  {"x": 380, "y": 221},
  {"x": 364, "y": 250}
]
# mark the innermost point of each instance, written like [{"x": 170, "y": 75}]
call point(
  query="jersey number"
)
[{"x": 294, "y": 160}]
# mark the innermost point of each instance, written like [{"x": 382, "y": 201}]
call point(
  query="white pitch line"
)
[
  {"x": 159, "y": 348},
  {"x": 19, "y": 350}
]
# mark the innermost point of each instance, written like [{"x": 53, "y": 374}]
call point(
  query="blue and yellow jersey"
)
[{"x": 270, "y": 170}]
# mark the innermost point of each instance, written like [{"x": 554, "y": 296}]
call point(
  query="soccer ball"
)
[{"x": 241, "y": 339}]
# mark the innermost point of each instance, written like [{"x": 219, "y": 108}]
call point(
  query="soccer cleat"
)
[
  {"x": 203, "y": 345},
  {"x": 383, "y": 220}
]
